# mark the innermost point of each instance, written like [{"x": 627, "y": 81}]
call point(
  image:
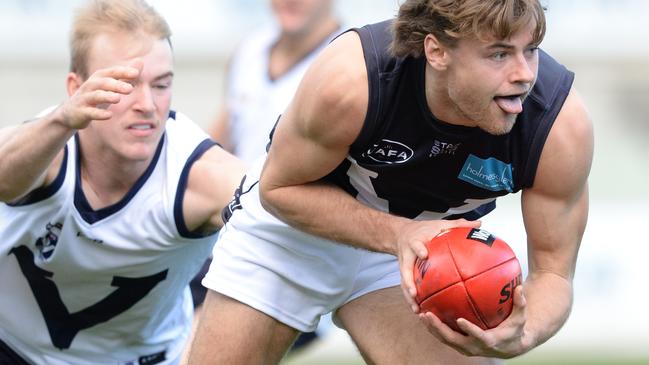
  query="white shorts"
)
[{"x": 287, "y": 274}]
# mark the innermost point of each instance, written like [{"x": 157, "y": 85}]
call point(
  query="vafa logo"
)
[{"x": 389, "y": 152}]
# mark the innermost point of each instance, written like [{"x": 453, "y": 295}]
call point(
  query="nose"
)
[
  {"x": 144, "y": 101},
  {"x": 524, "y": 71}
]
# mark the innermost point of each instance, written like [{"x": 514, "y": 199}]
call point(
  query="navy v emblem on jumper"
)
[{"x": 62, "y": 325}]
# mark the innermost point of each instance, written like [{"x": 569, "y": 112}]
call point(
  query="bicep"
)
[
  {"x": 555, "y": 209},
  {"x": 210, "y": 187},
  {"x": 554, "y": 229},
  {"x": 295, "y": 157},
  {"x": 325, "y": 117}
]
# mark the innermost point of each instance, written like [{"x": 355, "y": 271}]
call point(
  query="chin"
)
[
  {"x": 499, "y": 127},
  {"x": 141, "y": 153}
]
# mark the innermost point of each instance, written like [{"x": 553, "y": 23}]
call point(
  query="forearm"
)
[
  {"x": 549, "y": 300},
  {"x": 26, "y": 151},
  {"x": 327, "y": 211}
]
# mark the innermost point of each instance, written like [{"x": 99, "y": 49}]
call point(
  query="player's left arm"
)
[
  {"x": 555, "y": 211},
  {"x": 210, "y": 187}
]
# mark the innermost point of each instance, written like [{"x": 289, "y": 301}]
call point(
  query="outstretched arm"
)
[
  {"x": 555, "y": 211},
  {"x": 28, "y": 152}
]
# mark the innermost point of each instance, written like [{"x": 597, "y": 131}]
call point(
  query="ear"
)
[
  {"x": 73, "y": 83},
  {"x": 436, "y": 53}
]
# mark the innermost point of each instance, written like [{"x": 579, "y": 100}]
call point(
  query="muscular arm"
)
[
  {"x": 555, "y": 211},
  {"x": 28, "y": 151},
  {"x": 312, "y": 138}
]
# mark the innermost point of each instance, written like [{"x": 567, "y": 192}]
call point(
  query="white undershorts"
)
[{"x": 287, "y": 274}]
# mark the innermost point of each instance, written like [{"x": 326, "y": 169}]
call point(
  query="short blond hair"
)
[
  {"x": 111, "y": 16},
  {"x": 452, "y": 20}
]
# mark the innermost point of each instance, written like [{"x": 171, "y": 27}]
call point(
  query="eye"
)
[
  {"x": 498, "y": 56},
  {"x": 162, "y": 85},
  {"x": 532, "y": 50}
]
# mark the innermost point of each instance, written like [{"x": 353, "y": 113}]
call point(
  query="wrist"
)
[
  {"x": 395, "y": 225},
  {"x": 57, "y": 118}
]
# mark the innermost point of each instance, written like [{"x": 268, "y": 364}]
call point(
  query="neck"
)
[
  {"x": 438, "y": 99},
  {"x": 291, "y": 48},
  {"x": 106, "y": 177}
]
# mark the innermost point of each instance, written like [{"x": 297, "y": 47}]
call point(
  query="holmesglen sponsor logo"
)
[
  {"x": 387, "y": 151},
  {"x": 490, "y": 174}
]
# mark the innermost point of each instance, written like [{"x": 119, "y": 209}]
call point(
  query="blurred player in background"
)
[
  {"x": 265, "y": 71},
  {"x": 111, "y": 204},
  {"x": 398, "y": 130},
  {"x": 262, "y": 77}
]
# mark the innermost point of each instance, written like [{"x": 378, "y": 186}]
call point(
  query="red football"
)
[{"x": 468, "y": 274}]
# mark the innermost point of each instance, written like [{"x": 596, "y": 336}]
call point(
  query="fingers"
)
[
  {"x": 102, "y": 98},
  {"x": 97, "y": 113},
  {"x": 412, "y": 245},
  {"x": 469, "y": 344},
  {"x": 440, "y": 330},
  {"x": 409, "y": 298},
  {"x": 518, "y": 317},
  {"x": 471, "y": 329},
  {"x": 520, "y": 303},
  {"x": 117, "y": 79},
  {"x": 92, "y": 98},
  {"x": 137, "y": 64},
  {"x": 92, "y": 105},
  {"x": 407, "y": 264},
  {"x": 120, "y": 72},
  {"x": 420, "y": 250},
  {"x": 107, "y": 80}
]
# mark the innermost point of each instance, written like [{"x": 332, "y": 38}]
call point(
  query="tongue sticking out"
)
[{"x": 512, "y": 105}]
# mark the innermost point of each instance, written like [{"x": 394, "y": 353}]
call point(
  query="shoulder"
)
[
  {"x": 333, "y": 96},
  {"x": 183, "y": 133},
  {"x": 568, "y": 152}
]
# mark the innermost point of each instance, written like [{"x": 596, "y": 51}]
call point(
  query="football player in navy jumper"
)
[{"x": 398, "y": 131}]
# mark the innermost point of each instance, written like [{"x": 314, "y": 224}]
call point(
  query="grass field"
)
[
  {"x": 336, "y": 349},
  {"x": 568, "y": 359}
]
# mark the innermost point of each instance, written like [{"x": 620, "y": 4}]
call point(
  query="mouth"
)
[
  {"x": 142, "y": 126},
  {"x": 142, "y": 129},
  {"x": 510, "y": 104}
]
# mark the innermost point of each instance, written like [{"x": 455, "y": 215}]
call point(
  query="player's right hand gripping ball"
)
[{"x": 468, "y": 274}]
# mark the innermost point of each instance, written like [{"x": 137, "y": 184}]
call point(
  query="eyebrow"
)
[
  {"x": 500, "y": 45},
  {"x": 164, "y": 76}
]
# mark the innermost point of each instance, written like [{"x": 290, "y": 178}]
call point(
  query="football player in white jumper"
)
[{"x": 111, "y": 203}]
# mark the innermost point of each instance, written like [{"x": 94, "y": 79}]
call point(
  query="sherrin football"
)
[{"x": 470, "y": 274}]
